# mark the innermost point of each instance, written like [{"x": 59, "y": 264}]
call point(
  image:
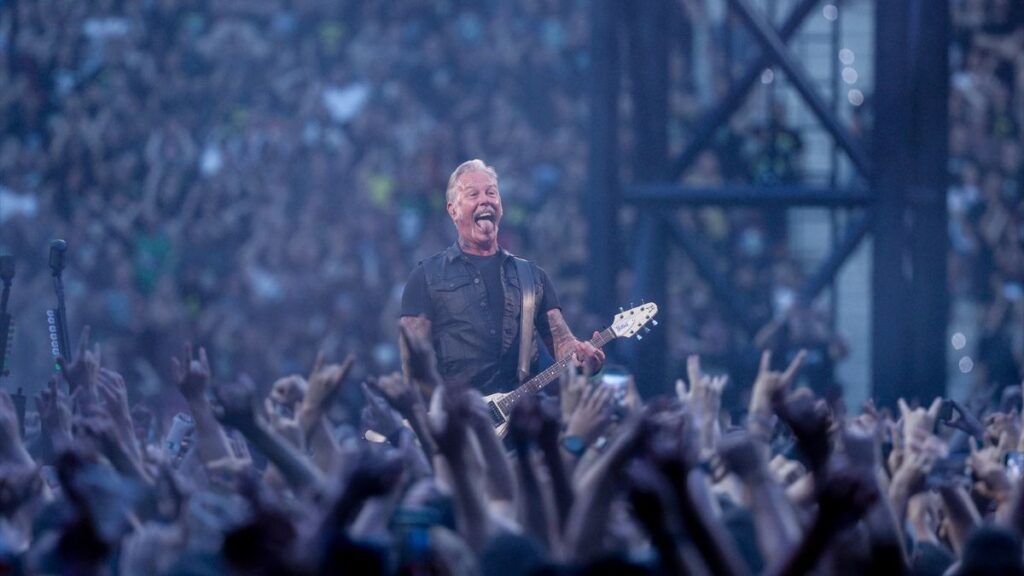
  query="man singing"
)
[{"x": 468, "y": 299}]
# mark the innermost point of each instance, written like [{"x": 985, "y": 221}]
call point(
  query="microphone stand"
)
[{"x": 57, "y": 249}]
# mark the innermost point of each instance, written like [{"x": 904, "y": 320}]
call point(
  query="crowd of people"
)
[
  {"x": 419, "y": 482},
  {"x": 260, "y": 176},
  {"x": 214, "y": 162},
  {"x": 986, "y": 196}
]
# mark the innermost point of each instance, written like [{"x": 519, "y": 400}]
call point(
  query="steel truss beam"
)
[
  {"x": 801, "y": 81},
  {"x": 673, "y": 195},
  {"x": 737, "y": 93}
]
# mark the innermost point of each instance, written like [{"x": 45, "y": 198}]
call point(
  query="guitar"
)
[{"x": 624, "y": 325}]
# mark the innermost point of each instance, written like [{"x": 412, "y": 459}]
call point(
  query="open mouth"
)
[{"x": 485, "y": 220}]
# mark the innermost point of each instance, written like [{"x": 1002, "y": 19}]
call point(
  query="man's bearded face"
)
[{"x": 476, "y": 208}]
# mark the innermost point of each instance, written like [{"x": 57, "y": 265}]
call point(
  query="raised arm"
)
[
  {"x": 193, "y": 378},
  {"x": 778, "y": 528},
  {"x": 238, "y": 410}
]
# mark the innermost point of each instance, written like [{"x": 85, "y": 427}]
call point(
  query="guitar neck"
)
[{"x": 538, "y": 382}]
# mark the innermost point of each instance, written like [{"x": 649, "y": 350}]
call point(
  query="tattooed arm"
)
[{"x": 565, "y": 344}]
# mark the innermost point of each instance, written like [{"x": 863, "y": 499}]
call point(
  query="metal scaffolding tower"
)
[{"x": 898, "y": 192}]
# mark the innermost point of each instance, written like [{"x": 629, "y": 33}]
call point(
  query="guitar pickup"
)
[{"x": 496, "y": 417}]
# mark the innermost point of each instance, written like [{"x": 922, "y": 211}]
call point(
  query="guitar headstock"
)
[{"x": 629, "y": 322}]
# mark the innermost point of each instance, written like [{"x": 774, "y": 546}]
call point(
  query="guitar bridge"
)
[{"x": 496, "y": 418}]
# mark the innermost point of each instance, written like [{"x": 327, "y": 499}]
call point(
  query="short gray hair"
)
[{"x": 475, "y": 165}]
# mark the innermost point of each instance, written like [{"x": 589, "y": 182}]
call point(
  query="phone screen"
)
[
  {"x": 1015, "y": 465},
  {"x": 618, "y": 380}
]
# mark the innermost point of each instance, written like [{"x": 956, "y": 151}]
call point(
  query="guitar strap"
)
[{"x": 529, "y": 308}]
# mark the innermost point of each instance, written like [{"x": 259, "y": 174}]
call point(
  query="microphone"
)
[{"x": 57, "y": 250}]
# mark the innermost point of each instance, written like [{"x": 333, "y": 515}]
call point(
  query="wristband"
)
[{"x": 574, "y": 445}]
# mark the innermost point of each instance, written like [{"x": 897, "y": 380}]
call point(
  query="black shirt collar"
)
[{"x": 454, "y": 251}]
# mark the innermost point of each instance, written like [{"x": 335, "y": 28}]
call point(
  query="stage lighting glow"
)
[
  {"x": 846, "y": 56},
  {"x": 768, "y": 76},
  {"x": 849, "y": 75},
  {"x": 959, "y": 341},
  {"x": 830, "y": 12},
  {"x": 966, "y": 364},
  {"x": 856, "y": 97}
]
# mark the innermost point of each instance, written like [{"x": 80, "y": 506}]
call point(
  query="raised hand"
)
[
  {"x": 192, "y": 376},
  {"x": 909, "y": 478},
  {"x": 966, "y": 421},
  {"x": 862, "y": 444},
  {"x": 401, "y": 393},
  {"x": 770, "y": 383},
  {"x": 288, "y": 393},
  {"x": 810, "y": 420},
  {"x": 993, "y": 481},
  {"x": 704, "y": 400},
  {"x": 236, "y": 403},
  {"x": 572, "y": 386},
  {"x": 18, "y": 483},
  {"x": 287, "y": 427},
  {"x": 918, "y": 422},
  {"x": 422, "y": 361},
  {"x": 1003, "y": 430},
  {"x": 55, "y": 411},
  {"x": 114, "y": 394},
  {"x": 449, "y": 428},
  {"x": 325, "y": 381},
  {"x": 99, "y": 427},
  {"x": 10, "y": 436},
  {"x": 743, "y": 455},
  {"x": 525, "y": 422},
  {"x": 378, "y": 414},
  {"x": 86, "y": 366},
  {"x": 592, "y": 415}
]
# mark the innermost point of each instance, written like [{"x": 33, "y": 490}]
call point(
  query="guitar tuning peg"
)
[
  {"x": 621, "y": 309},
  {"x": 639, "y": 337},
  {"x": 647, "y": 330},
  {"x": 654, "y": 322}
]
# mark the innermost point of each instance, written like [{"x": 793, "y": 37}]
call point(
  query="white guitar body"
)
[
  {"x": 500, "y": 404},
  {"x": 624, "y": 325},
  {"x": 497, "y": 416}
]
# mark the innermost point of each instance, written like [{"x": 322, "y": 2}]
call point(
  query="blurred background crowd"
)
[
  {"x": 260, "y": 176},
  {"x": 216, "y": 163}
]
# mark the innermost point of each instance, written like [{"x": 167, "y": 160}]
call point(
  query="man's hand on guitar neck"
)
[
  {"x": 565, "y": 344},
  {"x": 589, "y": 356}
]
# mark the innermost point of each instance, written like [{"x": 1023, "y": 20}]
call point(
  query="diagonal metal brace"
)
[
  {"x": 846, "y": 247},
  {"x": 737, "y": 93},
  {"x": 735, "y": 305},
  {"x": 801, "y": 81}
]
